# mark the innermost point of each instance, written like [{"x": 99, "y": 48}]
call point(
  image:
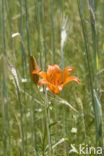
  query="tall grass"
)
[
  {"x": 53, "y": 30},
  {"x": 5, "y": 106},
  {"x": 33, "y": 120},
  {"x": 95, "y": 50}
]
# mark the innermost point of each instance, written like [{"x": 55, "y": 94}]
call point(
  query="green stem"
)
[
  {"x": 47, "y": 124},
  {"x": 27, "y": 27},
  {"x": 21, "y": 119},
  {"x": 53, "y": 31},
  {"x": 7, "y": 142}
]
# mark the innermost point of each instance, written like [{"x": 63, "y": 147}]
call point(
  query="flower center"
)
[{"x": 55, "y": 78}]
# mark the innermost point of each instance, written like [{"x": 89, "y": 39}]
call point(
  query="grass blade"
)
[
  {"x": 91, "y": 6},
  {"x": 7, "y": 140},
  {"x": 80, "y": 2},
  {"x": 53, "y": 31},
  {"x": 99, "y": 117}
]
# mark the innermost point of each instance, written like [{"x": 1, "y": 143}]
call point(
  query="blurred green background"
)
[{"x": 34, "y": 122}]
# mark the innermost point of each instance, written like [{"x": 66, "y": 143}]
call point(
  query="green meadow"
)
[{"x": 33, "y": 120}]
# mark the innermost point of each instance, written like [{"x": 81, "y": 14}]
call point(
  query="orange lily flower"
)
[
  {"x": 34, "y": 66},
  {"x": 56, "y": 79}
]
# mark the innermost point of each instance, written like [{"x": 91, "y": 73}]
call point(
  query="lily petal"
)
[
  {"x": 54, "y": 89},
  {"x": 54, "y": 74},
  {"x": 42, "y": 74},
  {"x": 34, "y": 66},
  {"x": 67, "y": 72},
  {"x": 71, "y": 78},
  {"x": 53, "y": 67}
]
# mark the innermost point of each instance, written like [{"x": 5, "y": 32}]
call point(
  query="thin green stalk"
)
[
  {"x": 7, "y": 142},
  {"x": 103, "y": 62},
  {"x": 3, "y": 27},
  {"x": 64, "y": 111},
  {"x": 45, "y": 121},
  {"x": 21, "y": 19},
  {"x": 39, "y": 33},
  {"x": 62, "y": 58},
  {"x": 44, "y": 37},
  {"x": 27, "y": 27},
  {"x": 94, "y": 37},
  {"x": 38, "y": 13},
  {"x": 46, "y": 115},
  {"x": 103, "y": 18},
  {"x": 10, "y": 22},
  {"x": 53, "y": 45},
  {"x": 4, "y": 129},
  {"x": 43, "y": 124},
  {"x": 53, "y": 31},
  {"x": 24, "y": 96},
  {"x": 21, "y": 119},
  {"x": 83, "y": 118},
  {"x": 29, "y": 53},
  {"x": 37, "y": 8},
  {"x": 7, "y": 112},
  {"x": 23, "y": 69},
  {"x": 47, "y": 124},
  {"x": 21, "y": 111},
  {"x": 35, "y": 131},
  {"x": 99, "y": 118},
  {"x": 35, "y": 134}
]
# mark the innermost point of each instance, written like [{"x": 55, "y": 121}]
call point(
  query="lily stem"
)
[{"x": 47, "y": 124}]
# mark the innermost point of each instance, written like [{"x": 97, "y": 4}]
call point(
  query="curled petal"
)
[
  {"x": 69, "y": 69},
  {"x": 67, "y": 72},
  {"x": 71, "y": 78}
]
